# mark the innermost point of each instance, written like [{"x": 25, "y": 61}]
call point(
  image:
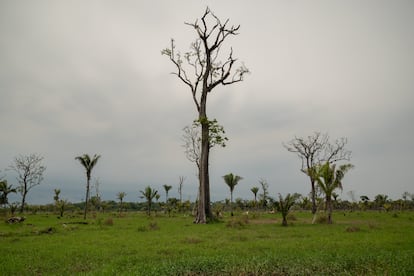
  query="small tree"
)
[
  {"x": 56, "y": 197},
  {"x": 88, "y": 163},
  {"x": 149, "y": 195},
  {"x": 61, "y": 206},
  {"x": 120, "y": 196},
  {"x": 254, "y": 191},
  {"x": 329, "y": 178},
  {"x": 284, "y": 205},
  {"x": 264, "y": 195},
  {"x": 29, "y": 171},
  {"x": 96, "y": 200},
  {"x": 5, "y": 190},
  {"x": 231, "y": 181}
]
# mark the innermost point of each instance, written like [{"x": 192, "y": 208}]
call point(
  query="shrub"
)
[
  {"x": 153, "y": 226},
  {"x": 109, "y": 221},
  {"x": 353, "y": 228},
  {"x": 322, "y": 219},
  {"x": 238, "y": 222}
]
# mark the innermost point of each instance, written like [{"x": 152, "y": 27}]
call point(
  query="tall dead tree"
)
[
  {"x": 207, "y": 72},
  {"x": 316, "y": 150}
]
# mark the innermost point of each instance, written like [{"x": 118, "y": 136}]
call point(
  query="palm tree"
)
[
  {"x": 231, "y": 181},
  {"x": 254, "y": 191},
  {"x": 166, "y": 188},
  {"x": 120, "y": 196},
  {"x": 284, "y": 205},
  {"x": 5, "y": 190},
  {"x": 149, "y": 195},
  {"x": 88, "y": 164},
  {"x": 329, "y": 178},
  {"x": 380, "y": 200}
]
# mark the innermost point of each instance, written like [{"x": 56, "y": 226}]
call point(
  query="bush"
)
[
  {"x": 353, "y": 228},
  {"x": 238, "y": 222},
  {"x": 109, "y": 221},
  {"x": 322, "y": 219}
]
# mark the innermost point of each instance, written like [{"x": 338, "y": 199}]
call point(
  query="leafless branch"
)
[{"x": 203, "y": 55}]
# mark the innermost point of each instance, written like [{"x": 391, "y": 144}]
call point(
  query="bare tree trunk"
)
[
  {"x": 313, "y": 195},
  {"x": 284, "y": 222},
  {"x": 24, "y": 193},
  {"x": 203, "y": 201},
  {"x": 87, "y": 197},
  {"x": 329, "y": 209},
  {"x": 207, "y": 206},
  {"x": 200, "y": 214}
]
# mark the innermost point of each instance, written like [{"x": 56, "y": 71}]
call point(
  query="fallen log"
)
[{"x": 15, "y": 220}]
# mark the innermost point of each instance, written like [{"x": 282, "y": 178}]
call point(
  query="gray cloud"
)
[{"x": 89, "y": 78}]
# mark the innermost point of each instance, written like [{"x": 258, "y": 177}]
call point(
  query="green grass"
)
[{"x": 360, "y": 243}]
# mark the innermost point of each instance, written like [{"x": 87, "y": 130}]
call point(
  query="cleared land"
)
[{"x": 358, "y": 243}]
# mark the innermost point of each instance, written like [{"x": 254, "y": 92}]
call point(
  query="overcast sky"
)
[{"x": 88, "y": 77}]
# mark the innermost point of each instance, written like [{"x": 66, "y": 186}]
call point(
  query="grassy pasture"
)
[{"x": 359, "y": 243}]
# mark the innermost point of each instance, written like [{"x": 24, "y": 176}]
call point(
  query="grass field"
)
[{"x": 358, "y": 243}]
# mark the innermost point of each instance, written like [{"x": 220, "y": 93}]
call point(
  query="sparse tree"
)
[
  {"x": 255, "y": 190},
  {"x": 192, "y": 144},
  {"x": 284, "y": 205},
  {"x": 96, "y": 200},
  {"x": 316, "y": 150},
  {"x": 29, "y": 170},
  {"x": 231, "y": 181},
  {"x": 208, "y": 71},
  {"x": 120, "y": 196},
  {"x": 149, "y": 195},
  {"x": 5, "y": 190},
  {"x": 329, "y": 178},
  {"x": 264, "y": 195},
  {"x": 88, "y": 163}
]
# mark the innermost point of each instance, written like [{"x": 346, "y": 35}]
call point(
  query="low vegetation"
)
[{"x": 357, "y": 243}]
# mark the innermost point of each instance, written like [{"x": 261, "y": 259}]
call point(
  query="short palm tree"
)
[
  {"x": 284, "y": 205},
  {"x": 255, "y": 190},
  {"x": 88, "y": 164},
  {"x": 166, "y": 188},
  {"x": 329, "y": 178},
  {"x": 149, "y": 195},
  {"x": 5, "y": 190},
  {"x": 231, "y": 181}
]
